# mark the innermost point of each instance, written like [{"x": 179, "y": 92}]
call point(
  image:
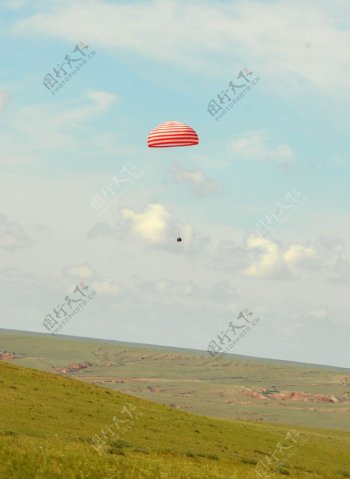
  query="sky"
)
[{"x": 262, "y": 203}]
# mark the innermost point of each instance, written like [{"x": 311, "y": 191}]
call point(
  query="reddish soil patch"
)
[
  {"x": 71, "y": 368},
  {"x": 266, "y": 394},
  {"x": 6, "y": 355}
]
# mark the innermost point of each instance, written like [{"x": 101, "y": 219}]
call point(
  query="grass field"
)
[
  {"x": 50, "y": 423},
  {"x": 192, "y": 381}
]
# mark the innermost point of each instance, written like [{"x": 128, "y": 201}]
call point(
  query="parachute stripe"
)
[{"x": 172, "y": 133}]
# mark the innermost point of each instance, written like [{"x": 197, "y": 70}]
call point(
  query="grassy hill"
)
[
  {"x": 48, "y": 424},
  {"x": 234, "y": 387}
]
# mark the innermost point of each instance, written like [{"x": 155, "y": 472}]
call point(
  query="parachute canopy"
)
[{"x": 172, "y": 133}]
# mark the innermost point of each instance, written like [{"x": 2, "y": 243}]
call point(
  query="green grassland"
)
[
  {"x": 48, "y": 422},
  {"x": 192, "y": 380}
]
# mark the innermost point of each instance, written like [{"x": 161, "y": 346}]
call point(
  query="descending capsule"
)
[{"x": 172, "y": 134}]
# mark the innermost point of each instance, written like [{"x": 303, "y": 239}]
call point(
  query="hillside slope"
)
[
  {"x": 48, "y": 423},
  {"x": 234, "y": 387}
]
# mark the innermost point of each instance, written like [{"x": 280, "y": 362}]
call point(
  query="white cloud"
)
[
  {"x": 80, "y": 271},
  {"x": 43, "y": 134},
  {"x": 295, "y": 43},
  {"x": 269, "y": 263},
  {"x": 253, "y": 146},
  {"x": 159, "y": 230},
  {"x": 330, "y": 257},
  {"x": 107, "y": 287},
  {"x": 297, "y": 254},
  {"x": 12, "y": 235},
  {"x": 150, "y": 225},
  {"x": 70, "y": 116},
  {"x": 102, "y": 99},
  {"x": 171, "y": 291},
  {"x": 310, "y": 318},
  {"x": 272, "y": 261},
  {"x": 196, "y": 180},
  {"x": 303, "y": 322},
  {"x": 319, "y": 313}
]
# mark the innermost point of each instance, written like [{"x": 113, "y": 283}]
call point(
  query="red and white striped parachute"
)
[{"x": 172, "y": 133}]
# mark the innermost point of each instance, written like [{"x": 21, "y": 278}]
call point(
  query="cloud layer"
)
[{"x": 298, "y": 41}]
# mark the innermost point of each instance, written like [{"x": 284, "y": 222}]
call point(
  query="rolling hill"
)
[
  {"x": 234, "y": 387},
  {"x": 57, "y": 427}
]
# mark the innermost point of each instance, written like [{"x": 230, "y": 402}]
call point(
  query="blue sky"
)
[{"x": 166, "y": 60}]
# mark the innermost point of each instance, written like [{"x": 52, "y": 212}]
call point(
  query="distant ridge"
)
[{"x": 173, "y": 348}]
